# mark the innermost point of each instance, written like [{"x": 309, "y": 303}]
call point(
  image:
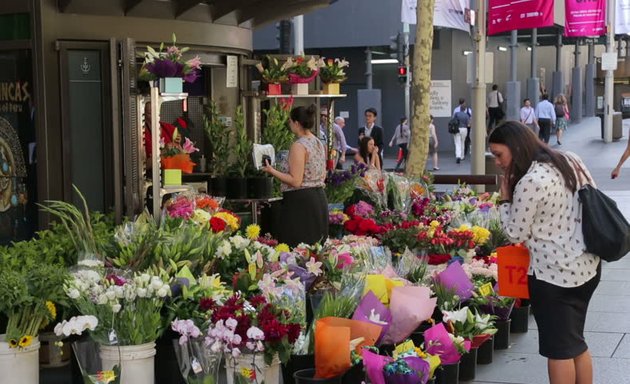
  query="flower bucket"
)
[
  {"x": 259, "y": 187},
  {"x": 307, "y": 376},
  {"x": 485, "y": 353},
  {"x": 50, "y": 355},
  {"x": 137, "y": 362},
  {"x": 468, "y": 365},
  {"x": 274, "y": 89},
  {"x": 331, "y": 89},
  {"x": 171, "y": 85},
  {"x": 236, "y": 188},
  {"x": 19, "y": 365},
  {"x": 217, "y": 186},
  {"x": 264, "y": 372},
  {"x": 502, "y": 337},
  {"x": 299, "y": 89},
  {"x": 520, "y": 319},
  {"x": 447, "y": 374},
  {"x": 297, "y": 363}
]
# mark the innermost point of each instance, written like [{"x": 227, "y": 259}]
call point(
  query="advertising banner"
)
[
  {"x": 622, "y": 17},
  {"x": 510, "y": 15},
  {"x": 585, "y": 18},
  {"x": 446, "y": 13}
]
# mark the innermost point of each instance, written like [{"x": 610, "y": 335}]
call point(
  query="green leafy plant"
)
[
  {"x": 217, "y": 133},
  {"x": 242, "y": 146},
  {"x": 276, "y": 130},
  {"x": 275, "y": 71}
]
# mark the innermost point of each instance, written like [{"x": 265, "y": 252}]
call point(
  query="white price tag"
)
[
  {"x": 196, "y": 367},
  {"x": 113, "y": 338}
]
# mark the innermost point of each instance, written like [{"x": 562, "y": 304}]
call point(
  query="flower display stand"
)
[
  {"x": 332, "y": 89},
  {"x": 299, "y": 89},
  {"x": 21, "y": 363},
  {"x": 264, "y": 372},
  {"x": 171, "y": 85},
  {"x": 137, "y": 362}
]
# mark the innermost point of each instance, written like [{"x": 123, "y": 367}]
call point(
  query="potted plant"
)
[
  {"x": 175, "y": 158},
  {"x": 217, "y": 133},
  {"x": 169, "y": 67},
  {"x": 301, "y": 73},
  {"x": 236, "y": 183},
  {"x": 274, "y": 74},
  {"x": 332, "y": 73}
]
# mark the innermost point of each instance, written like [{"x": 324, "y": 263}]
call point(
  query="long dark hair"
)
[
  {"x": 527, "y": 148},
  {"x": 304, "y": 115},
  {"x": 363, "y": 148}
]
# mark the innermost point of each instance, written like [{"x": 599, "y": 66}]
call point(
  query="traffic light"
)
[
  {"x": 402, "y": 74},
  {"x": 284, "y": 36},
  {"x": 398, "y": 48}
]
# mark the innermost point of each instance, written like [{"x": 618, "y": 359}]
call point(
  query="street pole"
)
[
  {"x": 408, "y": 81},
  {"x": 479, "y": 94},
  {"x": 298, "y": 35},
  {"x": 368, "y": 68},
  {"x": 609, "y": 80}
]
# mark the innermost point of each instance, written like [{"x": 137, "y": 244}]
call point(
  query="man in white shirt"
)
[
  {"x": 528, "y": 116},
  {"x": 461, "y": 107},
  {"x": 546, "y": 116},
  {"x": 494, "y": 103}
]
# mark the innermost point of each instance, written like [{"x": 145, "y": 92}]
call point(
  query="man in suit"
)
[{"x": 372, "y": 130}]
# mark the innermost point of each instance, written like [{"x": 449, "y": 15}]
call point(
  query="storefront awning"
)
[{"x": 246, "y": 13}]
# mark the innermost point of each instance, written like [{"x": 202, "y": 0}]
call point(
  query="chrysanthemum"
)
[
  {"x": 282, "y": 247},
  {"x": 51, "y": 309},
  {"x": 252, "y": 231}
]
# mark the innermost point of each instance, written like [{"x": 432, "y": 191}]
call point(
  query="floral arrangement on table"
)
[
  {"x": 302, "y": 70},
  {"x": 169, "y": 62},
  {"x": 332, "y": 70},
  {"x": 127, "y": 308},
  {"x": 276, "y": 71}
]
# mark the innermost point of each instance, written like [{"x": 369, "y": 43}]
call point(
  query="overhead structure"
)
[{"x": 246, "y": 13}]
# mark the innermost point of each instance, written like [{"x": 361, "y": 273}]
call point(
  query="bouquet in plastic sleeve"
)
[
  {"x": 454, "y": 277},
  {"x": 473, "y": 327},
  {"x": 409, "y": 306},
  {"x": 197, "y": 363},
  {"x": 399, "y": 192},
  {"x": 374, "y": 185},
  {"x": 448, "y": 347},
  {"x": 409, "y": 364},
  {"x": 371, "y": 310}
]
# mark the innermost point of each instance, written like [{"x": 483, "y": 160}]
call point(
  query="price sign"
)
[
  {"x": 486, "y": 289},
  {"x": 513, "y": 263}
]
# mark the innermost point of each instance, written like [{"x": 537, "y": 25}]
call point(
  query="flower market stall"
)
[{"x": 403, "y": 291}]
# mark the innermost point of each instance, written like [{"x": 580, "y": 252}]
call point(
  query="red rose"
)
[
  {"x": 217, "y": 225},
  {"x": 437, "y": 259}
]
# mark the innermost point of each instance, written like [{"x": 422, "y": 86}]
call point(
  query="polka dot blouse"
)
[{"x": 546, "y": 217}]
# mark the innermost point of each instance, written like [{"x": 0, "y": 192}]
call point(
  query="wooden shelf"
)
[{"x": 313, "y": 95}]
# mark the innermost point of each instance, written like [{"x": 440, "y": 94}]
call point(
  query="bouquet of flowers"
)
[
  {"x": 474, "y": 327},
  {"x": 170, "y": 63},
  {"x": 275, "y": 72},
  {"x": 127, "y": 308},
  {"x": 175, "y": 154},
  {"x": 302, "y": 70},
  {"x": 28, "y": 293},
  {"x": 332, "y": 70},
  {"x": 197, "y": 364}
]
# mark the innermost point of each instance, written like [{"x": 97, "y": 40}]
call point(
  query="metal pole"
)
[
  {"x": 479, "y": 94},
  {"x": 513, "y": 54},
  {"x": 559, "y": 53},
  {"x": 368, "y": 68},
  {"x": 609, "y": 80},
  {"x": 408, "y": 81},
  {"x": 534, "y": 56},
  {"x": 298, "y": 35}
]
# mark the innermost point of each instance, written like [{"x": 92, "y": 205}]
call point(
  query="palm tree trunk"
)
[{"x": 421, "y": 89}]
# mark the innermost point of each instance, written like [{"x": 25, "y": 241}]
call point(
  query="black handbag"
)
[{"x": 606, "y": 231}]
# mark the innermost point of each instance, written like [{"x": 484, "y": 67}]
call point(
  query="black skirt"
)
[
  {"x": 560, "y": 314},
  {"x": 304, "y": 217}
]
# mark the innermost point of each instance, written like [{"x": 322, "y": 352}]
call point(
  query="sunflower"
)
[
  {"x": 25, "y": 341},
  {"x": 51, "y": 309},
  {"x": 13, "y": 343},
  {"x": 252, "y": 231}
]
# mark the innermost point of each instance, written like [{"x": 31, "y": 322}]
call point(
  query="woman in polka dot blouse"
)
[{"x": 540, "y": 208}]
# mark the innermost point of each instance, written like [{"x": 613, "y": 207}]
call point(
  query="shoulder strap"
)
[{"x": 583, "y": 178}]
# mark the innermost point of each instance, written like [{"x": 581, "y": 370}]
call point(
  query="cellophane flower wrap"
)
[
  {"x": 371, "y": 310},
  {"x": 448, "y": 347},
  {"x": 127, "y": 307},
  {"x": 410, "y": 306}
]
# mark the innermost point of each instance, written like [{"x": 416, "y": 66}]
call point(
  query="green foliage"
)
[
  {"x": 276, "y": 131},
  {"x": 218, "y": 135},
  {"x": 332, "y": 70},
  {"x": 275, "y": 72},
  {"x": 242, "y": 146},
  {"x": 400, "y": 238}
]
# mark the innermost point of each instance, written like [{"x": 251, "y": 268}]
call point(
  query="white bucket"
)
[
  {"x": 136, "y": 362},
  {"x": 19, "y": 365},
  {"x": 264, "y": 372}
]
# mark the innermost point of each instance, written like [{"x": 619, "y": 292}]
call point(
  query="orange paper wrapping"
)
[
  {"x": 181, "y": 161},
  {"x": 332, "y": 343},
  {"x": 513, "y": 263}
]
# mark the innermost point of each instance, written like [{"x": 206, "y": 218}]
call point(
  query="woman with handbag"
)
[
  {"x": 562, "y": 116},
  {"x": 539, "y": 207}
]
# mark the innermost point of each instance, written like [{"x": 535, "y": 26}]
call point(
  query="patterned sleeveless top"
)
[{"x": 315, "y": 166}]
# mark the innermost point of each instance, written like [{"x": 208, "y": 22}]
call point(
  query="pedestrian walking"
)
[
  {"x": 401, "y": 139},
  {"x": 463, "y": 114},
  {"x": 433, "y": 145},
  {"x": 528, "y": 116},
  {"x": 539, "y": 207},
  {"x": 494, "y": 103},
  {"x": 546, "y": 117},
  {"x": 562, "y": 116}
]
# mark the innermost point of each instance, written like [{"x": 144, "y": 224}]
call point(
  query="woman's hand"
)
[{"x": 615, "y": 173}]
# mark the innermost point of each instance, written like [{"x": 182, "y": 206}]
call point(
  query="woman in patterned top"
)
[
  {"x": 539, "y": 207},
  {"x": 304, "y": 217}
]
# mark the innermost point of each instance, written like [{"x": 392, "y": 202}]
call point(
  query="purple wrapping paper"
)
[
  {"x": 418, "y": 365},
  {"x": 438, "y": 342},
  {"x": 454, "y": 277},
  {"x": 370, "y": 303},
  {"x": 410, "y": 306},
  {"x": 374, "y": 364}
]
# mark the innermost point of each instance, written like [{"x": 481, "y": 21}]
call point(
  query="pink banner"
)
[
  {"x": 585, "y": 18},
  {"x": 509, "y": 15}
]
